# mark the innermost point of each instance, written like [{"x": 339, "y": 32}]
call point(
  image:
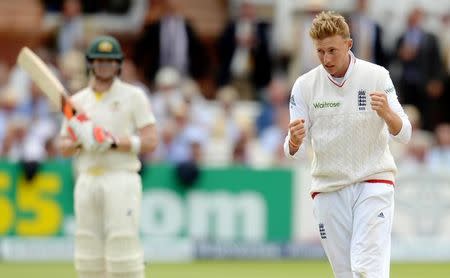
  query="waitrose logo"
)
[{"x": 326, "y": 104}]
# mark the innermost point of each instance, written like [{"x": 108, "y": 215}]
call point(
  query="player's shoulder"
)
[
  {"x": 130, "y": 89},
  {"x": 306, "y": 79},
  {"x": 80, "y": 94},
  {"x": 371, "y": 67},
  {"x": 311, "y": 75}
]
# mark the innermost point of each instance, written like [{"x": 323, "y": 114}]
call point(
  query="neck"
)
[
  {"x": 344, "y": 70},
  {"x": 102, "y": 85}
]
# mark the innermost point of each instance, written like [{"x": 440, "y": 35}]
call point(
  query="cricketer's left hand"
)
[{"x": 379, "y": 103}]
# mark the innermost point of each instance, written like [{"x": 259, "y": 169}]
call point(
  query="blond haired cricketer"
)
[{"x": 347, "y": 109}]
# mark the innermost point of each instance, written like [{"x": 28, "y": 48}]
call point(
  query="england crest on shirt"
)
[{"x": 362, "y": 100}]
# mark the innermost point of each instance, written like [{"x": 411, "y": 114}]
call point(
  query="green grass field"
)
[{"x": 226, "y": 269}]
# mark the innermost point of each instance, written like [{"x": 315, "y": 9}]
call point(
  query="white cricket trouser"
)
[
  {"x": 107, "y": 211},
  {"x": 355, "y": 225}
]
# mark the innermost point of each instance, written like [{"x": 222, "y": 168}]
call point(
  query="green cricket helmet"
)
[{"x": 104, "y": 47}]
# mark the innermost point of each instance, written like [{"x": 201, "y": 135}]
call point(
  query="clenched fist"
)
[
  {"x": 297, "y": 131},
  {"x": 379, "y": 103}
]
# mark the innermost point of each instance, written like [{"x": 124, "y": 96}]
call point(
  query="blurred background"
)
[{"x": 218, "y": 74}]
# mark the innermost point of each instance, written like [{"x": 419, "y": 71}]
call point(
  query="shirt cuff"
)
[
  {"x": 299, "y": 152},
  {"x": 404, "y": 134}
]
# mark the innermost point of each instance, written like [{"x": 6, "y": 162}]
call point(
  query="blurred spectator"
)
[
  {"x": 167, "y": 94},
  {"x": 302, "y": 60},
  {"x": 94, "y": 6},
  {"x": 14, "y": 141},
  {"x": 28, "y": 124},
  {"x": 226, "y": 126},
  {"x": 243, "y": 51},
  {"x": 43, "y": 126},
  {"x": 129, "y": 74},
  {"x": 70, "y": 35},
  {"x": 422, "y": 73},
  {"x": 166, "y": 134},
  {"x": 196, "y": 103},
  {"x": 445, "y": 33},
  {"x": 445, "y": 40},
  {"x": 26, "y": 141},
  {"x": 414, "y": 153},
  {"x": 439, "y": 155},
  {"x": 72, "y": 66},
  {"x": 248, "y": 150},
  {"x": 241, "y": 148},
  {"x": 282, "y": 36},
  {"x": 272, "y": 138},
  {"x": 21, "y": 83},
  {"x": 4, "y": 75},
  {"x": 182, "y": 139},
  {"x": 366, "y": 35},
  {"x": 187, "y": 139},
  {"x": 36, "y": 107},
  {"x": 5, "y": 98},
  {"x": 170, "y": 42},
  {"x": 8, "y": 105},
  {"x": 277, "y": 96}
]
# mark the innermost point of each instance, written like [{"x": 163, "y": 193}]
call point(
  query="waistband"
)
[
  {"x": 314, "y": 194},
  {"x": 100, "y": 171}
]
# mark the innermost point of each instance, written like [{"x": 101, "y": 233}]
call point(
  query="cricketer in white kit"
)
[
  {"x": 115, "y": 126},
  {"x": 347, "y": 110}
]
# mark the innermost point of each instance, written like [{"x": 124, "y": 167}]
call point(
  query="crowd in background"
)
[{"x": 244, "y": 121}]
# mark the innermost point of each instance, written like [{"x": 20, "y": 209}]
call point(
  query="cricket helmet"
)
[{"x": 104, "y": 47}]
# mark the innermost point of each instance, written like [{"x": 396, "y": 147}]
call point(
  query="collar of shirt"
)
[
  {"x": 101, "y": 95},
  {"x": 339, "y": 81}
]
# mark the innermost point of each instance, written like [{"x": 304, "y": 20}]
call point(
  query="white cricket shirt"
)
[
  {"x": 122, "y": 111},
  {"x": 349, "y": 140}
]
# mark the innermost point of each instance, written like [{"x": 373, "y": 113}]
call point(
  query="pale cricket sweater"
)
[{"x": 348, "y": 139}]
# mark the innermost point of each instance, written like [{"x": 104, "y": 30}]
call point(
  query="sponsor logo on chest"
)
[{"x": 326, "y": 104}]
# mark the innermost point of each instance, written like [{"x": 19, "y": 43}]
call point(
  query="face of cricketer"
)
[
  {"x": 333, "y": 54},
  {"x": 105, "y": 69}
]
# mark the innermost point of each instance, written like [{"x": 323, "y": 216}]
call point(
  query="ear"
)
[{"x": 349, "y": 43}]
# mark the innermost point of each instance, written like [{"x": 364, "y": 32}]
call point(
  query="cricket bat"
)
[{"x": 44, "y": 78}]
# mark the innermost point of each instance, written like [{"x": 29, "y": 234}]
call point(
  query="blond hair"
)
[{"x": 328, "y": 24}]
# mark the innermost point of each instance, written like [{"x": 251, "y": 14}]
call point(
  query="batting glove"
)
[{"x": 92, "y": 138}]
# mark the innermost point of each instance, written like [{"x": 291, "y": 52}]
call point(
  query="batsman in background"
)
[
  {"x": 347, "y": 109},
  {"x": 115, "y": 126}
]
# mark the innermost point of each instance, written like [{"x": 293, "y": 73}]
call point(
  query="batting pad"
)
[
  {"x": 124, "y": 256},
  {"x": 89, "y": 260},
  {"x": 88, "y": 253}
]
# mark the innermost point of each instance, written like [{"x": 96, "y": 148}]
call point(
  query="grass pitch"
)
[{"x": 226, "y": 269}]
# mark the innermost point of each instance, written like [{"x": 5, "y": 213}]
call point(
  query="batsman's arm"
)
[{"x": 144, "y": 141}]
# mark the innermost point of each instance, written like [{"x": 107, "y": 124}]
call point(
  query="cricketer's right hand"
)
[
  {"x": 297, "y": 131},
  {"x": 92, "y": 138}
]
